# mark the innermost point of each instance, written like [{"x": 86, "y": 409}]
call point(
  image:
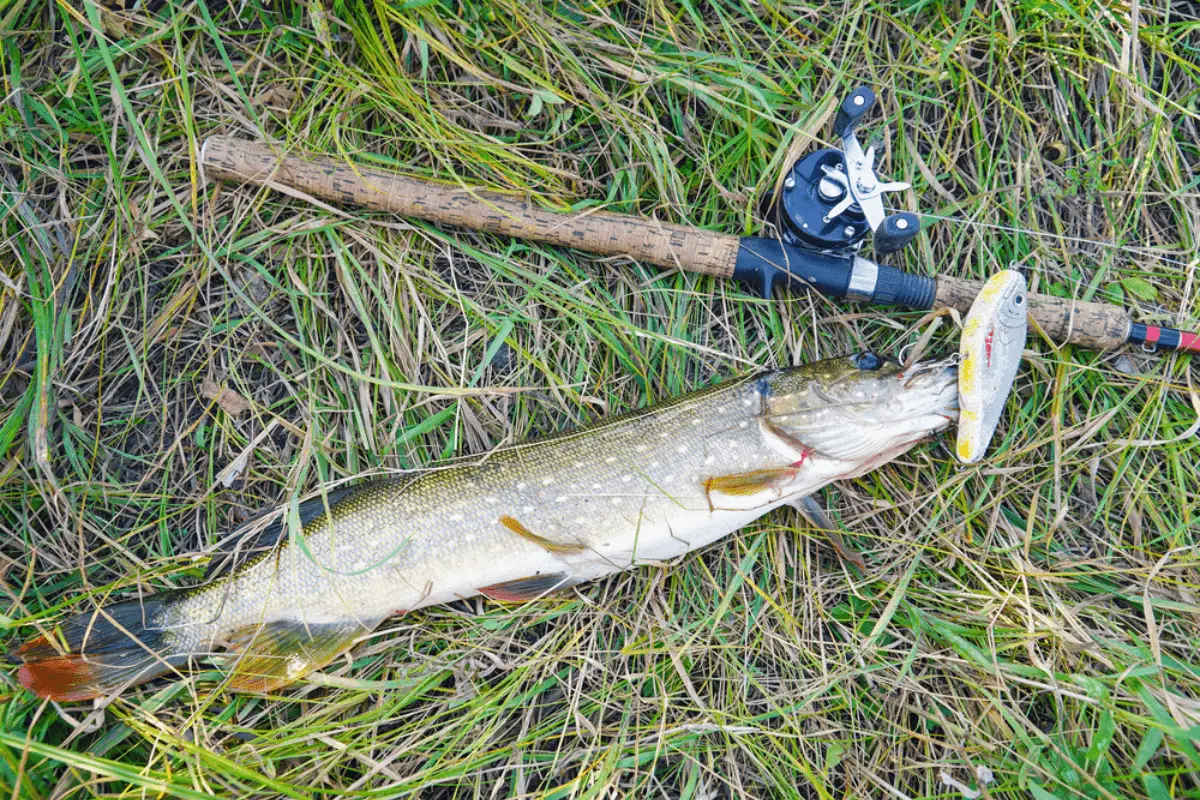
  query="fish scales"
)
[
  {"x": 518, "y": 523},
  {"x": 627, "y": 491}
]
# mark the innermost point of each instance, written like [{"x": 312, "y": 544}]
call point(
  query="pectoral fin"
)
[
  {"x": 748, "y": 483},
  {"x": 264, "y": 657},
  {"x": 744, "y": 487}
]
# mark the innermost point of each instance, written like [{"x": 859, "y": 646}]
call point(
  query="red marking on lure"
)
[
  {"x": 804, "y": 455},
  {"x": 1189, "y": 341},
  {"x": 987, "y": 345},
  {"x": 1153, "y": 332}
]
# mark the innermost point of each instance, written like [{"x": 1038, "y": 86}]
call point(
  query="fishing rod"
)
[{"x": 831, "y": 200}]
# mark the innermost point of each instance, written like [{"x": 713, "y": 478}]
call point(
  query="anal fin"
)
[
  {"x": 532, "y": 587},
  {"x": 273, "y": 654}
]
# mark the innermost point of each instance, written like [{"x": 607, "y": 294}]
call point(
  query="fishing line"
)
[{"x": 1145, "y": 251}]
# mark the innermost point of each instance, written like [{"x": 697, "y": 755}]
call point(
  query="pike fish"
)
[{"x": 516, "y": 525}]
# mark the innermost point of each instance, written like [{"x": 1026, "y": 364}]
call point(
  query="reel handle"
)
[
  {"x": 896, "y": 231},
  {"x": 852, "y": 110}
]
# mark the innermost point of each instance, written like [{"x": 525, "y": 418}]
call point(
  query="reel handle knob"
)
[
  {"x": 853, "y": 109},
  {"x": 896, "y": 231}
]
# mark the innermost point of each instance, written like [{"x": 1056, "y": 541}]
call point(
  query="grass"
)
[{"x": 1036, "y": 615}]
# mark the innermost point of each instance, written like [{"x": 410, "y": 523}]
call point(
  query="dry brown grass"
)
[{"x": 1035, "y": 616}]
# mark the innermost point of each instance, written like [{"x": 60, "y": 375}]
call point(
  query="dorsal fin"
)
[{"x": 238, "y": 549}]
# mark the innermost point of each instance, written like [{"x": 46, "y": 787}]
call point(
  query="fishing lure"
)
[{"x": 990, "y": 349}]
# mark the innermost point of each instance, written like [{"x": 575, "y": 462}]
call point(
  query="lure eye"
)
[{"x": 866, "y": 361}]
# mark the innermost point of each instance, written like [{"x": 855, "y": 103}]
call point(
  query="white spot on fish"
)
[
  {"x": 743, "y": 424},
  {"x": 491, "y": 501},
  {"x": 710, "y": 459},
  {"x": 722, "y": 409},
  {"x": 664, "y": 435},
  {"x": 578, "y": 464},
  {"x": 696, "y": 421},
  {"x": 581, "y": 520},
  {"x": 616, "y": 501},
  {"x": 682, "y": 448},
  {"x": 521, "y": 486},
  {"x": 470, "y": 537},
  {"x": 562, "y": 498},
  {"x": 547, "y": 481},
  {"x": 595, "y": 487},
  {"x": 296, "y": 666},
  {"x": 610, "y": 459},
  {"x": 627, "y": 478},
  {"x": 641, "y": 448},
  {"x": 653, "y": 464},
  {"x": 527, "y": 509},
  {"x": 456, "y": 517}
]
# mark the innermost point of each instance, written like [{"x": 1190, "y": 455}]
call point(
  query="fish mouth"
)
[
  {"x": 945, "y": 367},
  {"x": 938, "y": 376}
]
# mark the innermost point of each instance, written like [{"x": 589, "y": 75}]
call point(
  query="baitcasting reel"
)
[{"x": 832, "y": 198}]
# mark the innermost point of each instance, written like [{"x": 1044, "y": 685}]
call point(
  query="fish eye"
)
[{"x": 866, "y": 361}]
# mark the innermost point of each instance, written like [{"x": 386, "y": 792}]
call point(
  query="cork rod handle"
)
[
  {"x": 646, "y": 240},
  {"x": 1097, "y": 326}
]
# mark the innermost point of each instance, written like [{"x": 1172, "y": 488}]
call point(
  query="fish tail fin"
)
[{"x": 102, "y": 651}]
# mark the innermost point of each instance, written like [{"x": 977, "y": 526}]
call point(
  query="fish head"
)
[{"x": 859, "y": 407}]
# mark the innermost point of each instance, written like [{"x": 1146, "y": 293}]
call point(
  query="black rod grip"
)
[
  {"x": 899, "y": 288},
  {"x": 766, "y": 262}
]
